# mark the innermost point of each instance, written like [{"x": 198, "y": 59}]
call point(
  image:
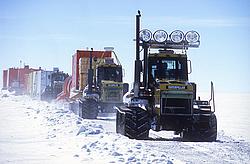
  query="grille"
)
[
  {"x": 176, "y": 106},
  {"x": 112, "y": 95}
]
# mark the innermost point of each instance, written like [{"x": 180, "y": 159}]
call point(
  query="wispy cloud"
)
[
  {"x": 206, "y": 22},
  {"x": 161, "y": 20},
  {"x": 56, "y": 37},
  {"x": 113, "y": 20}
]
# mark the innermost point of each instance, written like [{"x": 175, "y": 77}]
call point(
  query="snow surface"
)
[{"x": 33, "y": 131}]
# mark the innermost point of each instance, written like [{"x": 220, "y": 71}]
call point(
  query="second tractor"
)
[{"x": 105, "y": 87}]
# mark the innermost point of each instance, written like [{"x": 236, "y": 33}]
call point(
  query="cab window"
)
[{"x": 170, "y": 69}]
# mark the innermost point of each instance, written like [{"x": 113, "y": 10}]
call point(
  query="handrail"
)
[
  {"x": 212, "y": 95},
  {"x": 116, "y": 58}
]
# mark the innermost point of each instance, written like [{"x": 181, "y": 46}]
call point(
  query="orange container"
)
[{"x": 76, "y": 61}]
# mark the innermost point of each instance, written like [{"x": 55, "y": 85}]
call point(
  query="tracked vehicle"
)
[
  {"x": 162, "y": 97},
  {"x": 105, "y": 87},
  {"x": 55, "y": 84}
]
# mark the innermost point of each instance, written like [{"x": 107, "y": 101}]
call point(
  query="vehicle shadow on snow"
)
[
  {"x": 231, "y": 141},
  {"x": 106, "y": 116},
  {"x": 158, "y": 136},
  {"x": 106, "y": 119},
  {"x": 179, "y": 139},
  {"x": 164, "y": 139}
]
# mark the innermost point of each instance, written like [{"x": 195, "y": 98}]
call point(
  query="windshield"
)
[
  {"x": 169, "y": 69},
  {"x": 109, "y": 73}
]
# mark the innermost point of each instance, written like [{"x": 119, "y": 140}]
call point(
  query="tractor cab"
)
[
  {"x": 109, "y": 72},
  {"x": 168, "y": 66},
  {"x": 109, "y": 82}
]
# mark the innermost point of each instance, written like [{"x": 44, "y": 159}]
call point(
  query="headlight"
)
[
  {"x": 160, "y": 36},
  {"x": 192, "y": 36},
  {"x": 177, "y": 36},
  {"x": 145, "y": 35}
]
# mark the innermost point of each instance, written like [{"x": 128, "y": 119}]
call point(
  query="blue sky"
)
[{"x": 46, "y": 33}]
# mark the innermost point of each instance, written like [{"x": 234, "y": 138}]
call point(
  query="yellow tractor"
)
[
  {"x": 162, "y": 97},
  {"x": 105, "y": 87}
]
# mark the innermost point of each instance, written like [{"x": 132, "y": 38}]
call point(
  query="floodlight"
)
[
  {"x": 145, "y": 35},
  {"x": 160, "y": 36},
  {"x": 177, "y": 36},
  {"x": 192, "y": 36}
]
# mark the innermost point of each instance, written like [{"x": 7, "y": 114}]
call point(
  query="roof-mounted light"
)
[
  {"x": 192, "y": 37},
  {"x": 177, "y": 36},
  {"x": 160, "y": 36},
  {"x": 145, "y": 35}
]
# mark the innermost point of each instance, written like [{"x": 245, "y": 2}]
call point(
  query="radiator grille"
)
[{"x": 176, "y": 106}]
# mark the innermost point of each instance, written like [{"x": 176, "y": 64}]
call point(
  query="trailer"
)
[
  {"x": 14, "y": 79},
  {"x": 40, "y": 79},
  {"x": 5, "y": 79},
  {"x": 45, "y": 85}
]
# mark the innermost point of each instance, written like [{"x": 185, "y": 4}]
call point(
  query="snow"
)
[
  {"x": 232, "y": 111},
  {"x": 33, "y": 131}
]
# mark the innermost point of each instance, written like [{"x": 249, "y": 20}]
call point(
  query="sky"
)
[{"x": 47, "y": 33}]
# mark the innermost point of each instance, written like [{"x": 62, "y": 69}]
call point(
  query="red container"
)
[
  {"x": 75, "y": 63},
  {"x": 17, "y": 78},
  {"x": 5, "y": 76},
  {"x": 13, "y": 78}
]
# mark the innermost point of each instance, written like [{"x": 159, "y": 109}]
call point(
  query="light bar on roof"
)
[
  {"x": 160, "y": 36},
  {"x": 177, "y": 36},
  {"x": 176, "y": 39},
  {"x": 145, "y": 35},
  {"x": 192, "y": 37}
]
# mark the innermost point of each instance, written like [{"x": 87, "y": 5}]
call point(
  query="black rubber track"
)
[
  {"x": 89, "y": 109},
  {"x": 203, "y": 131},
  {"x": 133, "y": 124}
]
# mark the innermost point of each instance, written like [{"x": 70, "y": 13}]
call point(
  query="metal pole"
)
[
  {"x": 138, "y": 35},
  {"x": 137, "y": 61},
  {"x": 145, "y": 66},
  {"x": 90, "y": 73}
]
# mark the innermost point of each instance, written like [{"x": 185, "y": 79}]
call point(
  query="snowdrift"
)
[{"x": 38, "y": 132}]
